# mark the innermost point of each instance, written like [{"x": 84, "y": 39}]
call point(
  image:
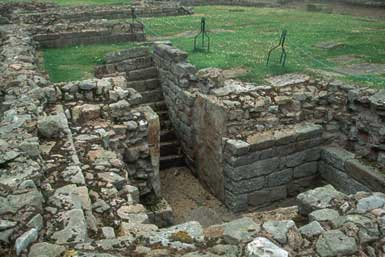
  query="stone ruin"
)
[{"x": 80, "y": 161}]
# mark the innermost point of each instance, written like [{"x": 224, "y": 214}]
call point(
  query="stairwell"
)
[{"x": 137, "y": 66}]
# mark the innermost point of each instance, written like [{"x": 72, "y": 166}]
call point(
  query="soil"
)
[
  {"x": 190, "y": 200},
  {"x": 234, "y": 72}
]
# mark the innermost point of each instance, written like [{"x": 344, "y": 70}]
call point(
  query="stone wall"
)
[
  {"x": 208, "y": 112},
  {"x": 54, "y": 15},
  {"x": 138, "y": 67},
  {"x": 271, "y": 166},
  {"x": 343, "y": 170},
  {"x": 129, "y": 131},
  {"x": 101, "y": 31},
  {"x": 76, "y": 158},
  {"x": 175, "y": 74},
  {"x": 250, "y": 3},
  {"x": 278, "y": 3}
]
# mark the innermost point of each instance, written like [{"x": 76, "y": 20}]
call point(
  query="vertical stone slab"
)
[
  {"x": 209, "y": 121},
  {"x": 154, "y": 146}
]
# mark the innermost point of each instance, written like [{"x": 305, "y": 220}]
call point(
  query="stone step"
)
[
  {"x": 171, "y": 161},
  {"x": 163, "y": 115},
  {"x": 142, "y": 74},
  {"x": 151, "y": 96},
  {"x": 165, "y": 124},
  {"x": 169, "y": 148},
  {"x": 144, "y": 85},
  {"x": 158, "y": 106},
  {"x": 167, "y": 135}
]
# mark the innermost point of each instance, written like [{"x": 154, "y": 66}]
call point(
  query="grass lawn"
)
[
  {"x": 241, "y": 38},
  {"x": 73, "y": 2},
  {"x": 76, "y": 63}
]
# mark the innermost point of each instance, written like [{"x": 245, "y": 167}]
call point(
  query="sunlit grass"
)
[{"x": 241, "y": 37}]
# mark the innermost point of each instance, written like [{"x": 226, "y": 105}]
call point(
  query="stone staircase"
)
[
  {"x": 170, "y": 150},
  {"x": 141, "y": 74}
]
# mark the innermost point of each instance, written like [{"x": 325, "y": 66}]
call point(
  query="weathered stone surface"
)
[
  {"x": 236, "y": 231},
  {"x": 46, "y": 250},
  {"x": 368, "y": 230},
  {"x": 328, "y": 215},
  {"x": 52, "y": 126},
  {"x": 340, "y": 179},
  {"x": 365, "y": 174},
  {"x": 36, "y": 222},
  {"x": 108, "y": 232},
  {"x": 318, "y": 198},
  {"x": 25, "y": 240},
  {"x": 306, "y": 170},
  {"x": 279, "y": 229},
  {"x": 75, "y": 228},
  {"x": 267, "y": 195},
  {"x": 185, "y": 234},
  {"x": 5, "y": 224},
  {"x": 261, "y": 247},
  {"x": 334, "y": 243},
  {"x": 226, "y": 250},
  {"x": 71, "y": 196},
  {"x": 312, "y": 229},
  {"x": 370, "y": 203},
  {"x": 73, "y": 174},
  {"x": 13, "y": 203},
  {"x": 336, "y": 157}
]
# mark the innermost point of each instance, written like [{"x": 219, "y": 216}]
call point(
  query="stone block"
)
[
  {"x": 308, "y": 143},
  {"x": 249, "y": 157},
  {"x": 236, "y": 147},
  {"x": 365, "y": 175},
  {"x": 126, "y": 54},
  {"x": 267, "y": 195},
  {"x": 336, "y": 157},
  {"x": 259, "y": 168},
  {"x": 306, "y": 170},
  {"x": 318, "y": 198},
  {"x": 308, "y": 155},
  {"x": 90, "y": 112},
  {"x": 300, "y": 185},
  {"x": 284, "y": 137},
  {"x": 279, "y": 178},
  {"x": 245, "y": 186},
  {"x": 340, "y": 179},
  {"x": 309, "y": 131},
  {"x": 235, "y": 202}
]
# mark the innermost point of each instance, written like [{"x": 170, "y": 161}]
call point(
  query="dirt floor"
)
[{"x": 191, "y": 201}]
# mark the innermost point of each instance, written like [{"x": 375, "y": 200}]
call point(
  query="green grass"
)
[
  {"x": 241, "y": 37},
  {"x": 76, "y": 63},
  {"x": 74, "y": 2}
]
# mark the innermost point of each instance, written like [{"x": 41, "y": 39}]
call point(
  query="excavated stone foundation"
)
[{"x": 80, "y": 161}]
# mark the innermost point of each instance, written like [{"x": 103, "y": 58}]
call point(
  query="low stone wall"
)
[
  {"x": 249, "y": 3},
  {"x": 135, "y": 64},
  {"x": 54, "y": 15},
  {"x": 271, "y": 166},
  {"x": 63, "y": 35},
  {"x": 21, "y": 168},
  {"x": 341, "y": 169},
  {"x": 131, "y": 132},
  {"x": 277, "y": 3}
]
